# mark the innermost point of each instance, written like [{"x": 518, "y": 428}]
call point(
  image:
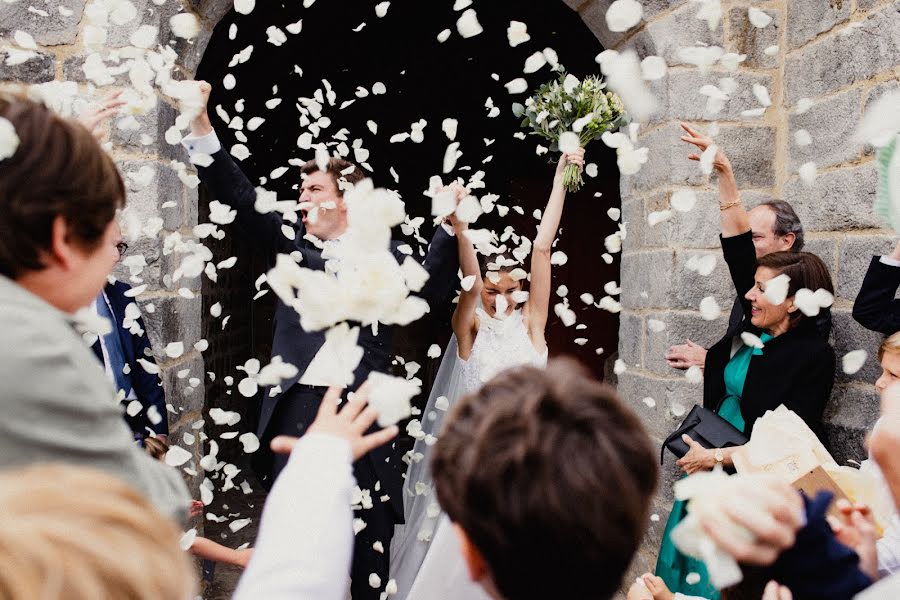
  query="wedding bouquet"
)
[{"x": 570, "y": 113}]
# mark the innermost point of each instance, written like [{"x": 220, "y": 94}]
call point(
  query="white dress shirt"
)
[
  {"x": 305, "y": 541},
  {"x": 891, "y": 262},
  {"x": 106, "y": 366}
]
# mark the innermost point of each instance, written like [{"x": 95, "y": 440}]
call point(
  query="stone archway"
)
[{"x": 842, "y": 56}]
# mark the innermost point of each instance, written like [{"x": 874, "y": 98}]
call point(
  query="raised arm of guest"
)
[
  {"x": 229, "y": 185},
  {"x": 305, "y": 538},
  {"x": 538, "y": 306},
  {"x": 441, "y": 262},
  {"x": 463, "y": 320},
  {"x": 875, "y": 307},
  {"x": 737, "y": 239}
]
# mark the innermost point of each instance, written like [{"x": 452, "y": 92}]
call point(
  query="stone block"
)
[
  {"x": 838, "y": 60},
  {"x": 752, "y": 41},
  {"x": 683, "y": 101},
  {"x": 631, "y": 339},
  {"x": 593, "y": 13},
  {"x": 838, "y": 200},
  {"x": 677, "y": 29},
  {"x": 826, "y": 249},
  {"x": 573, "y": 4},
  {"x": 864, "y": 5},
  {"x": 855, "y": 255},
  {"x": 646, "y": 278},
  {"x": 147, "y": 200},
  {"x": 634, "y": 386},
  {"x": 680, "y": 327},
  {"x": 831, "y": 129},
  {"x": 187, "y": 400},
  {"x": 808, "y": 18},
  {"x": 665, "y": 154},
  {"x": 751, "y": 150},
  {"x": 52, "y": 30},
  {"x": 691, "y": 287},
  {"x": 151, "y": 249},
  {"x": 175, "y": 319},
  {"x": 698, "y": 228},
  {"x": 849, "y": 416},
  {"x": 152, "y": 130},
  {"x": 37, "y": 69},
  {"x": 848, "y": 335},
  {"x": 635, "y": 223}
]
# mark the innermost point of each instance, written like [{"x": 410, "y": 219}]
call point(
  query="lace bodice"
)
[{"x": 499, "y": 344}]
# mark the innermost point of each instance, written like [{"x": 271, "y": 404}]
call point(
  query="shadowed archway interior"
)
[{"x": 351, "y": 48}]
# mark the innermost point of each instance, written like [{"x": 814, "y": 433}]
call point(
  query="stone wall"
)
[
  {"x": 841, "y": 54},
  {"x": 172, "y": 310}
]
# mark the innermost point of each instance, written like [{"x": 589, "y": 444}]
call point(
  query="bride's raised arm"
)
[
  {"x": 463, "y": 321},
  {"x": 539, "y": 294}
]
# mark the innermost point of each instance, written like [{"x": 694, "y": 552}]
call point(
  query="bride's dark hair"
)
[{"x": 489, "y": 262}]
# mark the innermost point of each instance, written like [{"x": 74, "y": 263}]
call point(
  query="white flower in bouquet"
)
[{"x": 570, "y": 113}]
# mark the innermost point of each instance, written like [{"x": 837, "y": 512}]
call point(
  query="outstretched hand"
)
[
  {"x": 702, "y": 142},
  {"x": 460, "y": 192},
  {"x": 569, "y": 158},
  {"x": 685, "y": 356},
  {"x": 201, "y": 125},
  {"x": 350, "y": 424},
  {"x": 856, "y": 529},
  {"x": 96, "y": 118}
]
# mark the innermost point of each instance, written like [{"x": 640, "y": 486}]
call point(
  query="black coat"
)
[
  {"x": 795, "y": 369},
  {"x": 290, "y": 341},
  {"x": 147, "y": 386},
  {"x": 875, "y": 307}
]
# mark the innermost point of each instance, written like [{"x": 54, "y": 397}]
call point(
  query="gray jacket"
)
[{"x": 56, "y": 404}]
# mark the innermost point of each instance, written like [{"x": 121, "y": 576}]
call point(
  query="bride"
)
[{"x": 496, "y": 325}]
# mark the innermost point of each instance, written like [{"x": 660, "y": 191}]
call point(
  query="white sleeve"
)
[
  {"x": 449, "y": 229},
  {"x": 887, "y": 260},
  {"x": 680, "y": 596},
  {"x": 888, "y": 549},
  {"x": 305, "y": 541},
  {"x": 202, "y": 144}
]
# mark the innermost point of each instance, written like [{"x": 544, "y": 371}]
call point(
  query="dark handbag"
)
[{"x": 706, "y": 428}]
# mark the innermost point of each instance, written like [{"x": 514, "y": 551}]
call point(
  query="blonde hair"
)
[
  {"x": 891, "y": 345},
  {"x": 80, "y": 534}
]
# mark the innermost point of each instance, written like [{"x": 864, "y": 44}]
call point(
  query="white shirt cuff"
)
[
  {"x": 448, "y": 229},
  {"x": 887, "y": 260},
  {"x": 202, "y": 144}
]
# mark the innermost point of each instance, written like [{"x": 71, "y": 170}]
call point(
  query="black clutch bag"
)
[{"x": 707, "y": 429}]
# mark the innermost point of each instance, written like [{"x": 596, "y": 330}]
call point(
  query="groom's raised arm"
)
[{"x": 231, "y": 186}]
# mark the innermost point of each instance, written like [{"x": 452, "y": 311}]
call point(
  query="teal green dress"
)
[{"x": 673, "y": 566}]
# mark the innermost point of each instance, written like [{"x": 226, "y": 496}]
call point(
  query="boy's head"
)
[
  {"x": 59, "y": 192},
  {"x": 548, "y": 479},
  {"x": 81, "y": 534}
]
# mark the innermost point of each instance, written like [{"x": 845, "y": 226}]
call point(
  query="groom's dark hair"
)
[
  {"x": 550, "y": 476},
  {"x": 338, "y": 168}
]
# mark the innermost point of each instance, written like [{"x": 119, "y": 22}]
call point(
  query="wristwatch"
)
[{"x": 719, "y": 456}]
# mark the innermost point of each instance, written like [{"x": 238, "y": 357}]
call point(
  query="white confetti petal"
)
[
  {"x": 758, "y": 18},
  {"x": 853, "y": 361},
  {"x": 655, "y": 325},
  {"x": 175, "y": 349},
  {"x": 185, "y": 25},
  {"x": 569, "y": 142},
  {"x": 777, "y": 289},
  {"x": 619, "y": 366},
  {"x": 709, "y": 309},
  {"x": 467, "y": 25},
  {"x": 443, "y": 36},
  {"x": 706, "y": 159},
  {"x": 683, "y": 200},
  {"x": 534, "y": 62},
  {"x": 762, "y": 94},
  {"x": 752, "y": 340},
  {"x": 517, "y": 33},
  {"x": 9, "y": 140},
  {"x": 803, "y": 105},
  {"x": 653, "y": 68},
  {"x": 622, "y": 15},
  {"x": 649, "y": 402},
  {"x": 517, "y": 86},
  {"x": 177, "y": 456},
  {"x": 24, "y": 40},
  {"x": 802, "y": 137},
  {"x": 250, "y": 442},
  {"x": 244, "y": 7},
  {"x": 807, "y": 172},
  {"x": 657, "y": 217},
  {"x": 381, "y": 9},
  {"x": 694, "y": 374}
]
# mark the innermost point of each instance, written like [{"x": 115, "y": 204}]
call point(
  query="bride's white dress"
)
[{"x": 425, "y": 554}]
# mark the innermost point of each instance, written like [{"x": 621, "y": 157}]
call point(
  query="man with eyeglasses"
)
[{"x": 141, "y": 393}]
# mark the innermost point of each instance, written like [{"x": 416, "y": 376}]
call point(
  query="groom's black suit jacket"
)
[{"x": 297, "y": 346}]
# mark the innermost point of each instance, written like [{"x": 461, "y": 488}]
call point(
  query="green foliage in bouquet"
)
[{"x": 568, "y": 105}]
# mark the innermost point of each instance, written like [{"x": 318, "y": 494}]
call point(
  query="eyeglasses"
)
[{"x": 122, "y": 247}]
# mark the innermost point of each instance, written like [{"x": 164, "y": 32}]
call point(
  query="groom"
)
[{"x": 290, "y": 410}]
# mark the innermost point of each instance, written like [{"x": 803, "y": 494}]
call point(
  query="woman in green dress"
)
[{"x": 795, "y": 366}]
